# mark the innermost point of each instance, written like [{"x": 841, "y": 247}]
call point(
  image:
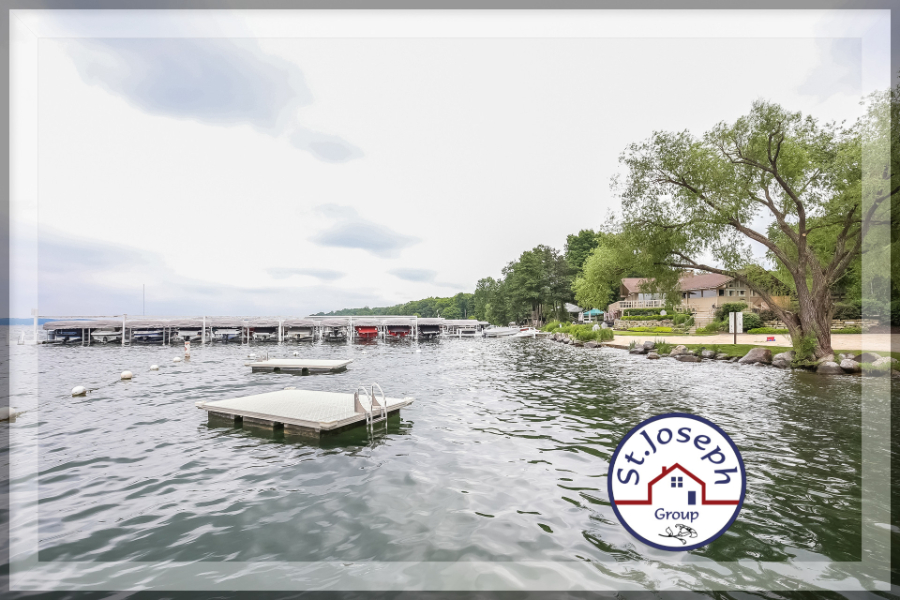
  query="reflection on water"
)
[{"x": 502, "y": 456}]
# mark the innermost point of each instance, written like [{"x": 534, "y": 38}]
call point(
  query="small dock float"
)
[
  {"x": 306, "y": 413},
  {"x": 299, "y": 365}
]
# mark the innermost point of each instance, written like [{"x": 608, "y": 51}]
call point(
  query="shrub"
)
[
  {"x": 647, "y": 318},
  {"x": 606, "y": 335},
  {"x": 847, "y": 311},
  {"x": 641, "y": 311},
  {"x": 848, "y": 330},
  {"x": 632, "y": 344},
  {"x": 680, "y": 319},
  {"x": 895, "y": 312},
  {"x": 804, "y": 350},
  {"x": 713, "y": 327},
  {"x": 689, "y": 322},
  {"x": 663, "y": 347},
  {"x": 728, "y": 307},
  {"x": 768, "y": 315},
  {"x": 767, "y": 330},
  {"x": 752, "y": 321}
]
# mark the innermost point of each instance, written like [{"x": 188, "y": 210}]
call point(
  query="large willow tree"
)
[{"x": 792, "y": 185}]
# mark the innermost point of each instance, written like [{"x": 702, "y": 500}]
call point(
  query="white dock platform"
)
[
  {"x": 299, "y": 365},
  {"x": 300, "y": 412}
]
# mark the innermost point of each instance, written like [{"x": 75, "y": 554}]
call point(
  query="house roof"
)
[
  {"x": 572, "y": 308},
  {"x": 688, "y": 282},
  {"x": 667, "y": 471}
]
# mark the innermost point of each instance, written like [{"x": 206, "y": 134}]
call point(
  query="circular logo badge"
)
[{"x": 676, "y": 482}]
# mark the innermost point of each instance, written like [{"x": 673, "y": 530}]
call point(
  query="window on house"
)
[
  {"x": 742, "y": 292},
  {"x": 731, "y": 292},
  {"x": 677, "y": 482},
  {"x": 721, "y": 292}
]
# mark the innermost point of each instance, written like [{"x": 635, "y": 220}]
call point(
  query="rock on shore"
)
[{"x": 757, "y": 355}]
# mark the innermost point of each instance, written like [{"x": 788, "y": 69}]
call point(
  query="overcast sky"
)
[{"x": 288, "y": 175}]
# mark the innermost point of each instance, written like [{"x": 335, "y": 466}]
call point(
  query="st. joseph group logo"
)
[{"x": 676, "y": 482}]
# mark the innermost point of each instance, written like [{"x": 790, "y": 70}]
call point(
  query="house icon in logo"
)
[{"x": 678, "y": 484}]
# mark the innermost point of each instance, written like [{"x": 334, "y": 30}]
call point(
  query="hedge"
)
[
  {"x": 767, "y": 330},
  {"x": 647, "y": 318},
  {"x": 651, "y": 329},
  {"x": 585, "y": 332},
  {"x": 641, "y": 311}
]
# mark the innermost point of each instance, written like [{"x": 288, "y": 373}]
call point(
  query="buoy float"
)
[
  {"x": 251, "y": 355},
  {"x": 296, "y": 354},
  {"x": 8, "y": 412},
  {"x": 126, "y": 374},
  {"x": 176, "y": 359},
  {"x": 79, "y": 390},
  {"x": 154, "y": 367}
]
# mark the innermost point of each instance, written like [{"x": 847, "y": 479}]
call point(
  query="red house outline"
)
[{"x": 665, "y": 472}]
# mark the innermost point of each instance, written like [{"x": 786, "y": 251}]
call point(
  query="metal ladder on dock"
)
[{"x": 376, "y": 412}]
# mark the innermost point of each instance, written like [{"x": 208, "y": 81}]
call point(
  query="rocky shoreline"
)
[{"x": 867, "y": 363}]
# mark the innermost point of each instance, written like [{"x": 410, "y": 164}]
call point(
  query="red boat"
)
[
  {"x": 399, "y": 328},
  {"x": 366, "y": 328}
]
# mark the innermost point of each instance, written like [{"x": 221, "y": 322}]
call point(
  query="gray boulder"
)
[
  {"x": 781, "y": 363},
  {"x": 721, "y": 356},
  {"x": 850, "y": 366},
  {"x": 788, "y": 356},
  {"x": 679, "y": 350},
  {"x": 708, "y": 354},
  {"x": 866, "y": 357},
  {"x": 591, "y": 344},
  {"x": 829, "y": 368},
  {"x": 653, "y": 356},
  {"x": 757, "y": 355},
  {"x": 884, "y": 360},
  {"x": 687, "y": 358},
  {"x": 649, "y": 345},
  {"x": 578, "y": 343}
]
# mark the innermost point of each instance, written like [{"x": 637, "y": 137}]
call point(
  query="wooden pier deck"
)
[
  {"x": 299, "y": 365},
  {"x": 299, "y": 412}
]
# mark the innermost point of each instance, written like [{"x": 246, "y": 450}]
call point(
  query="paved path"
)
[{"x": 878, "y": 342}]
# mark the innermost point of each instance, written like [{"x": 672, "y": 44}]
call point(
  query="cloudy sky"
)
[{"x": 256, "y": 168}]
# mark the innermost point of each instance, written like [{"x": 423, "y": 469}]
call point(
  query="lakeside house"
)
[{"x": 700, "y": 293}]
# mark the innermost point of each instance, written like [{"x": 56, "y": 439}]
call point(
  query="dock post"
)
[
  {"x": 416, "y": 330},
  {"x": 34, "y": 313},
  {"x": 350, "y": 331},
  {"x": 203, "y": 332},
  {"x": 124, "y": 318}
]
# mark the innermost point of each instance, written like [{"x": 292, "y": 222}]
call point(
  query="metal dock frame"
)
[{"x": 372, "y": 417}]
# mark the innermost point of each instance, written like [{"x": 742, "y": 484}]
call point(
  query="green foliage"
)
[
  {"x": 647, "y": 318},
  {"x": 632, "y": 344},
  {"x": 848, "y": 330},
  {"x": 847, "y": 311},
  {"x": 895, "y": 312},
  {"x": 769, "y": 330},
  {"x": 651, "y": 329},
  {"x": 578, "y": 248},
  {"x": 767, "y": 315},
  {"x": 804, "y": 349},
  {"x": 641, "y": 311},
  {"x": 584, "y": 332},
  {"x": 713, "y": 327},
  {"x": 601, "y": 274},
  {"x": 729, "y": 307},
  {"x": 462, "y": 305},
  {"x": 663, "y": 347},
  {"x": 752, "y": 321}
]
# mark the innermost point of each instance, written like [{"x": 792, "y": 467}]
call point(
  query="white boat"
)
[
  {"x": 106, "y": 335},
  {"x": 527, "y": 332},
  {"x": 147, "y": 335},
  {"x": 496, "y": 332},
  {"x": 224, "y": 334},
  {"x": 188, "y": 335}
]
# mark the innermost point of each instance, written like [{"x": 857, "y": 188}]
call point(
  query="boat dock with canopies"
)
[{"x": 125, "y": 330}]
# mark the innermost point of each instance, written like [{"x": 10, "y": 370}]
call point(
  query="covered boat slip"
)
[
  {"x": 299, "y": 365},
  {"x": 306, "y": 413}
]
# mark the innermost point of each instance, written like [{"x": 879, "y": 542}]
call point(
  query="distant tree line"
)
[{"x": 460, "y": 306}]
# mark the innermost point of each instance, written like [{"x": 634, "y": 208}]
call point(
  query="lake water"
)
[{"x": 502, "y": 456}]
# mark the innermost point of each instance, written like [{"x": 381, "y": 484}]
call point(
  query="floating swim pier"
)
[
  {"x": 299, "y": 365},
  {"x": 307, "y": 413}
]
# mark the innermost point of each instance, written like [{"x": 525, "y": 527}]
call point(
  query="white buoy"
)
[
  {"x": 8, "y": 412},
  {"x": 251, "y": 355},
  {"x": 154, "y": 367},
  {"x": 296, "y": 353},
  {"x": 126, "y": 374},
  {"x": 79, "y": 390},
  {"x": 418, "y": 350},
  {"x": 176, "y": 359}
]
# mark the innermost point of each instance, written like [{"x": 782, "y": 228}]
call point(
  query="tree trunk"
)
[{"x": 813, "y": 319}]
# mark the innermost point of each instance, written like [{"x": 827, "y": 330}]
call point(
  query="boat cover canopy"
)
[
  {"x": 366, "y": 322},
  {"x": 334, "y": 323},
  {"x": 429, "y": 321},
  {"x": 299, "y": 323},
  {"x": 70, "y": 324}
]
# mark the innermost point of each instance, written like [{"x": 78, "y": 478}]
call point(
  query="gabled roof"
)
[
  {"x": 665, "y": 472},
  {"x": 687, "y": 283}
]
